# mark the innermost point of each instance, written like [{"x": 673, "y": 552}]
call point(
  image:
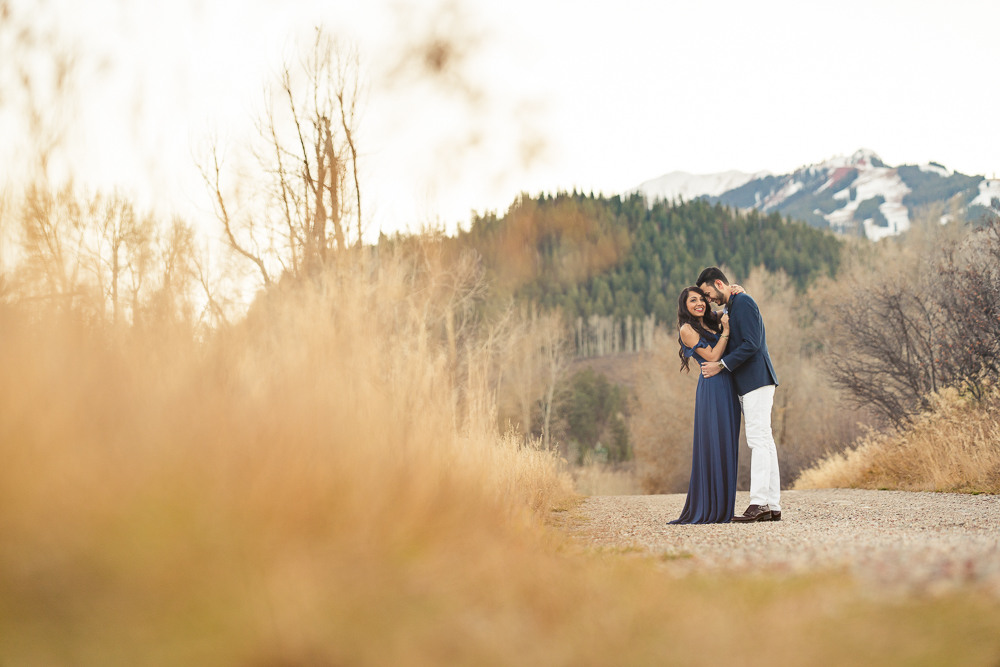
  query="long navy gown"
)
[{"x": 711, "y": 494}]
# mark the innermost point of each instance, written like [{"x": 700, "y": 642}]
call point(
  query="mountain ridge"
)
[{"x": 856, "y": 195}]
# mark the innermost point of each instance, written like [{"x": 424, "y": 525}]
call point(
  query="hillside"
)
[
  {"x": 613, "y": 256},
  {"x": 856, "y": 195}
]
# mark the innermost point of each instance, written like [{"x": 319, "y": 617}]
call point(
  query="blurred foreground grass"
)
[
  {"x": 321, "y": 485},
  {"x": 525, "y": 606}
]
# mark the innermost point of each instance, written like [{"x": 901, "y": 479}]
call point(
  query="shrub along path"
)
[{"x": 898, "y": 540}]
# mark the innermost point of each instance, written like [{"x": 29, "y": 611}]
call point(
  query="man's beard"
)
[{"x": 715, "y": 296}]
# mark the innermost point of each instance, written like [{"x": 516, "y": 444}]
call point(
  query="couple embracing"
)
[{"x": 736, "y": 372}]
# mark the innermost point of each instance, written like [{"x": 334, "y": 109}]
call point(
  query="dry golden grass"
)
[
  {"x": 205, "y": 488},
  {"x": 662, "y": 424},
  {"x": 319, "y": 486},
  {"x": 953, "y": 447},
  {"x": 600, "y": 479}
]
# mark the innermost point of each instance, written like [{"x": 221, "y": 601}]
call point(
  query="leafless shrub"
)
[
  {"x": 914, "y": 323},
  {"x": 887, "y": 346},
  {"x": 970, "y": 306}
]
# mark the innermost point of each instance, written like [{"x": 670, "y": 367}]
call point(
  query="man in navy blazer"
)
[{"x": 747, "y": 359}]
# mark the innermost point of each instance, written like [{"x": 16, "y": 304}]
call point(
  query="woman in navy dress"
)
[{"x": 703, "y": 335}]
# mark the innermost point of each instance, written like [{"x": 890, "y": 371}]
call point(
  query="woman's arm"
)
[
  {"x": 715, "y": 353},
  {"x": 690, "y": 338}
]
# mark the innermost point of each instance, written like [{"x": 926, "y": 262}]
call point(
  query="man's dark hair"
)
[{"x": 710, "y": 275}]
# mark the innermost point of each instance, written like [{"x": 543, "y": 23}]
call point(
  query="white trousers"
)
[{"x": 765, "y": 484}]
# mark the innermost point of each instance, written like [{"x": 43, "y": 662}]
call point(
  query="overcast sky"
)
[{"x": 547, "y": 95}]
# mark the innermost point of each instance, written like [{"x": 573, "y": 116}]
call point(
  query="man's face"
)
[{"x": 714, "y": 294}]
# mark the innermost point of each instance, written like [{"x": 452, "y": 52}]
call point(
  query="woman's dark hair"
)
[{"x": 710, "y": 320}]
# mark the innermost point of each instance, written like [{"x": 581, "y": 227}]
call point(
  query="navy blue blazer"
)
[{"x": 746, "y": 354}]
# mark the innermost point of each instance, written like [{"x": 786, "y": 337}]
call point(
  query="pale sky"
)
[{"x": 598, "y": 96}]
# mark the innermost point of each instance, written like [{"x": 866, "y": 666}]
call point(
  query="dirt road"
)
[{"x": 912, "y": 542}]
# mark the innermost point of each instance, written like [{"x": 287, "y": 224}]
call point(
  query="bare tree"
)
[
  {"x": 896, "y": 339},
  {"x": 210, "y": 279},
  {"x": 970, "y": 273},
  {"x": 308, "y": 156},
  {"x": 348, "y": 93},
  {"x": 122, "y": 251},
  {"x": 54, "y": 233},
  {"x": 248, "y": 228},
  {"x": 98, "y": 255},
  {"x": 522, "y": 371},
  {"x": 174, "y": 256},
  {"x": 537, "y": 356},
  {"x": 885, "y": 348},
  {"x": 554, "y": 339}
]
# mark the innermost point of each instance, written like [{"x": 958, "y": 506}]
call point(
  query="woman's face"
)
[{"x": 696, "y": 304}]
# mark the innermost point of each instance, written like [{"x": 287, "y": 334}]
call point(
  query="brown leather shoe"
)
[
  {"x": 775, "y": 515},
  {"x": 754, "y": 513}
]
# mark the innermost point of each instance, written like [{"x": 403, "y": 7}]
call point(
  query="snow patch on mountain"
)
[
  {"x": 871, "y": 183},
  {"x": 988, "y": 189},
  {"x": 786, "y": 191},
  {"x": 896, "y": 214},
  {"x": 935, "y": 168},
  {"x": 680, "y": 184}
]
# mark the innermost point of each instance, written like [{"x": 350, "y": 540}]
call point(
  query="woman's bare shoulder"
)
[{"x": 689, "y": 336}]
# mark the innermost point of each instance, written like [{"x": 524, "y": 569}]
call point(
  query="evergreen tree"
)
[{"x": 612, "y": 256}]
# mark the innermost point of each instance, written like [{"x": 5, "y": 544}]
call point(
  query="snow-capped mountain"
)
[
  {"x": 852, "y": 195},
  {"x": 690, "y": 186}
]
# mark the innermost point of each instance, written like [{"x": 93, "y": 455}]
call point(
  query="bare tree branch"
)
[{"x": 212, "y": 180}]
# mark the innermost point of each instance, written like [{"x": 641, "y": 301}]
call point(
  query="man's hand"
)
[{"x": 710, "y": 368}]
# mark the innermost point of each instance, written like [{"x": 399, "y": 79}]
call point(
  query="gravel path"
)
[{"x": 912, "y": 542}]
